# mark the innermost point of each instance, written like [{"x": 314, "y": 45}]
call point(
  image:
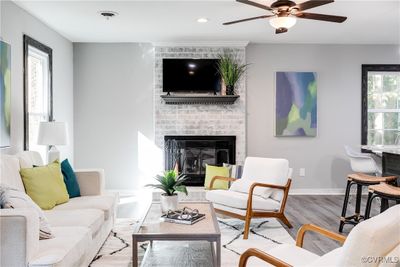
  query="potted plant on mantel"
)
[
  {"x": 231, "y": 71},
  {"x": 170, "y": 183}
]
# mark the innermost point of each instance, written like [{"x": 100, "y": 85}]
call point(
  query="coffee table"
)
[{"x": 151, "y": 228}]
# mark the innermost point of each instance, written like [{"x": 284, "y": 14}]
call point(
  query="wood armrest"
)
[
  {"x": 252, "y": 252},
  {"x": 274, "y": 186},
  {"x": 314, "y": 228},
  {"x": 229, "y": 179}
]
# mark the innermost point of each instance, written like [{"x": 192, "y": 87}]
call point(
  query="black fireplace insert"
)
[{"x": 190, "y": 154}]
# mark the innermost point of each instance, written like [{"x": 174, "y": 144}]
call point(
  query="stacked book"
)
[{"x": 182, "y": 219}]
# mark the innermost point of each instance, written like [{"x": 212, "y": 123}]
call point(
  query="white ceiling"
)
[{"x": 369, "y": 22}]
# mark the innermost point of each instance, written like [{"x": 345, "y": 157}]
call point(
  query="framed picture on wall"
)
[
  {"x": 296, "y": 104},
  {"x": 5, "y": 94}
]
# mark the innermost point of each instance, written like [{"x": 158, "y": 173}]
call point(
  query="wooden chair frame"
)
[
  {"x": 252, "y": 252},
  {"x": 249, "y": 210}
]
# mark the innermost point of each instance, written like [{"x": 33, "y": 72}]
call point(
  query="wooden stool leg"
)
[
  {"x": 368, "y": 207},
  {"x": 384, "y": 204},
  {"x": 358, "y": 201},
  {"x": 345, "y": 202}
]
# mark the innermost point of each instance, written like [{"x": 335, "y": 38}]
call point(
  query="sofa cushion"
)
[
  {"x": 392, "y": 257},
  {"x": 9, "y": 166},
  {"x": 15, "y": 199},
  {"x": 28, "y": 159},
  {"x": 90, "y": 218},
  {"x": 239, "y": 200},
  {"x": 329, "y": 259},
  {"x": 68, "y": 248},
  {"x": 104, "y": 202},
  {"x": 293, "y": 255},
  {"x": 45, "y": 185}
]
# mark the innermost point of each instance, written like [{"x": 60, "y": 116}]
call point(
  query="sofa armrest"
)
[
  {"x": 19, "y": 236},
  {"x": 91, "y": 181}
]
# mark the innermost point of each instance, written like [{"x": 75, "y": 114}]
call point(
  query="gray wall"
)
[
  {"x": 14, "y": 23},
  {"x": 113, "y": 104},
  {"x": 338, "y": 70}
]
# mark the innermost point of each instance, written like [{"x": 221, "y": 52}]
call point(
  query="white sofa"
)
[{"x": 80, "y": 226}]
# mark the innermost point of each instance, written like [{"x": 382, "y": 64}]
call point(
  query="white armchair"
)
[
  {"x": 261, "y": 192},
  {"x": 373, "y": 242}
]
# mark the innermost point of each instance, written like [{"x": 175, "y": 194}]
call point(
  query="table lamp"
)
[{"x": 52, "y": 133}]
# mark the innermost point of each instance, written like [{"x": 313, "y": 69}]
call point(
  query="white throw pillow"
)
[{"x": 11, "y": 198}]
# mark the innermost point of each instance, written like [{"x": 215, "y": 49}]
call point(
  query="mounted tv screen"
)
[{"x": 190, "y": 75}]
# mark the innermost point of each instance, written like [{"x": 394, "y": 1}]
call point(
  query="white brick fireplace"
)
[{"x": 199, "y": 119}]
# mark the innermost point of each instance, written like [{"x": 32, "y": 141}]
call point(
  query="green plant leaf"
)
[
  {"x": 159, "y": 186},
  {"x": 181, "y": 188},
  {"x": 230, "y": 70}
]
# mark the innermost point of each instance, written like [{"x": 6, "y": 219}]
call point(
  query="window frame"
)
[
  {"x": 29, "y": 41},
  {"x": 364, "y": 93}
]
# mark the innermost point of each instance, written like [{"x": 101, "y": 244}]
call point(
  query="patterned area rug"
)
[{"x": 265, "y": 234}]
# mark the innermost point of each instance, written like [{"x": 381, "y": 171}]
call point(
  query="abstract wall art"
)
[
  {"x": 5, "y": 94},
  {"x": 296, "y": 104}
]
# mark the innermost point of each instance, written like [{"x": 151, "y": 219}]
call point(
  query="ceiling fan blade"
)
[
  {"x": 251, "y": 3},
  {"x": 242, "y": 20},
  {"x": 312, "y": 4},
  {"x": 330, "y": 18},
  {"x": 281, "y": 30}
]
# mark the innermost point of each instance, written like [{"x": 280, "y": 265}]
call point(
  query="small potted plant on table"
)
[{"x": 170, "y": 183}]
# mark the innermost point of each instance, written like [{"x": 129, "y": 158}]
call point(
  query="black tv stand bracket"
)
[{"x": 200, "y": 99}]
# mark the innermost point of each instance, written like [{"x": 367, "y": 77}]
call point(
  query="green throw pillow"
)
[
  {"x": 212, "y": 171},
  {"x": 45, "y": 185}
]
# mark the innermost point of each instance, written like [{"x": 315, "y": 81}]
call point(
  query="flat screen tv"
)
[{"x": 191, "y": 75}]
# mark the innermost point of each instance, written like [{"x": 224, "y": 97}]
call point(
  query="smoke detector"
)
[{"x": 108, "y": 14}]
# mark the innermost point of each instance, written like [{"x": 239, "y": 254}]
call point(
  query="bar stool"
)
[
  {"x": 360, "y": 180},
  {"x": 386, "y": 192}
]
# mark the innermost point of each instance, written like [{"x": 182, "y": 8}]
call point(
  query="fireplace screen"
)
[{"x": 190, "y": 154}]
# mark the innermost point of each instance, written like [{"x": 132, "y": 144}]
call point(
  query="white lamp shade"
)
[
  {"x": 52, "y": 133},
  {"x": 282, "y": 22}
]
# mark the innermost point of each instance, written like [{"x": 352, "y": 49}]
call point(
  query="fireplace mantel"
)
[{"x": 199, "y": 99}]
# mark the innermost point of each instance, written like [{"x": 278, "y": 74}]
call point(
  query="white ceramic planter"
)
[{"x": 168, "y": 202}]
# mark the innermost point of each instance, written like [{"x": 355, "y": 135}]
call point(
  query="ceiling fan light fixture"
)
[{"x": 282, "y": 22}]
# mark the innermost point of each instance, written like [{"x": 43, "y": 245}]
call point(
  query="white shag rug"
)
[{"x": 264, "y": 235}]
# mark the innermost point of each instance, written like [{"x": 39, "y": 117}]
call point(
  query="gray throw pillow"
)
[{"x": 11, "y": 198}]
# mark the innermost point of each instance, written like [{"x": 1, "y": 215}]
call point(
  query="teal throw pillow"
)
[{"x": 70, "y": 179}]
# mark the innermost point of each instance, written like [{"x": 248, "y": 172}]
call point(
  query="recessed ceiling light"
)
[
  {"x": 108, "y": 14},
  {"x": 202, "y": 20}
]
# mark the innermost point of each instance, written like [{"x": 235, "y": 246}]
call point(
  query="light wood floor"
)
[
  {"x": 323, "y": 211},
  {"x": 320, "y": 210}
]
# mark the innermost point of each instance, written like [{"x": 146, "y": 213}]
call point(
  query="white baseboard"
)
[{"x": 317, "y": 191}]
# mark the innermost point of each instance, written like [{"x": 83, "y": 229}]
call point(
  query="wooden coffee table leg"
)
[
  {"x": 218, "y": 251},
  {"x": 134, "y": 252}
]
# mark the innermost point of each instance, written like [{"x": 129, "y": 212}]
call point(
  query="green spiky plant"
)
[
  {"x": 170, "y": 183},
  {"x": 231, "y": 71}
]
